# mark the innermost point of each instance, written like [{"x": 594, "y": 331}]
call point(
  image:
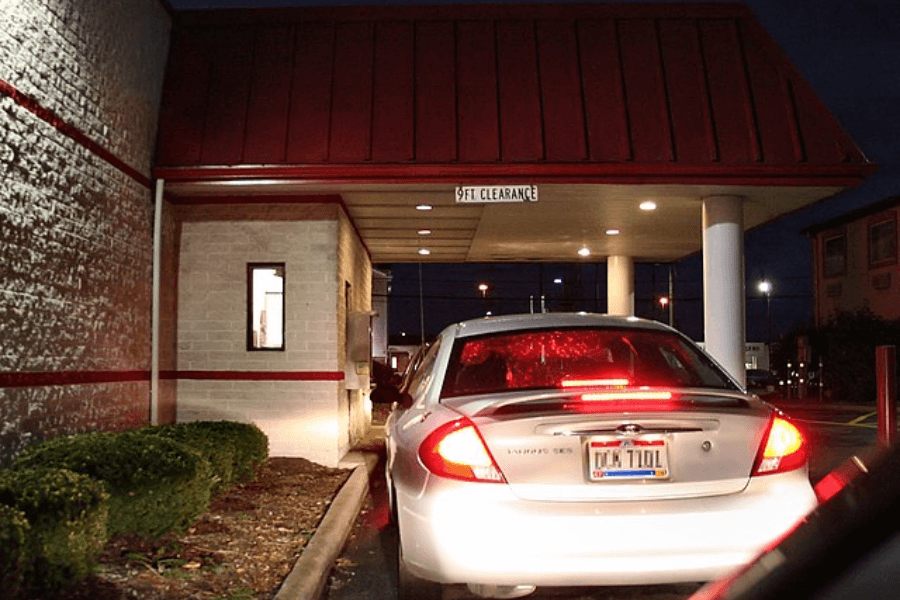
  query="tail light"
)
[
  {"x": 607, "y": 382},
  {"x": 784, "y": 449},
  {"x": 456, "y": 450}
]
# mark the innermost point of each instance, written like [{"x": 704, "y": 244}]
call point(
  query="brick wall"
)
[
  {"x": 79, "y": 91},
  {"x": 302, "y": 416},
  {"x": 862, "y": 286}
]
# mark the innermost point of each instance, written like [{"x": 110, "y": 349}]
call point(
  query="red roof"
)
[{"x": 645, "y": 90}]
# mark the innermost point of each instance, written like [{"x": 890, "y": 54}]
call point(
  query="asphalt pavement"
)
[
  {"x": 308, "y": 578},
  {"x": 356, "y": 523}
]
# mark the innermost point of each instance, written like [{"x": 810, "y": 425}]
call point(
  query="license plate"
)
[{"x": 628, "y": 459}]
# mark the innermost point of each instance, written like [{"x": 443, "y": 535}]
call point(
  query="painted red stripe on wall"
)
[
  {"x": 11, "y": 380},
  {"x": 43, "y": 379},
  {"x": 69, "y": 130},
  {"x": 256, "y": 375}
]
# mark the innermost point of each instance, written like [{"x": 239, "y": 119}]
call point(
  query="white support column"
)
[
  {"x": 723, "y": 282},
  {"x": 620, "y": 285}
]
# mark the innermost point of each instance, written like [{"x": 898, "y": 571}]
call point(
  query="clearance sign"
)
[{"x": 496, "y": 193}]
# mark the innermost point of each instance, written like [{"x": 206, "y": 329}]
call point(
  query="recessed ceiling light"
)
[
  {"x": 613, "y": 232},
  {"x": 424, "y": 251},
  {"x": 648, "y": 205},
  {"x": 424, "y": 207},
  {"x": 584, "y": 252},
  {"x": 424, "y": 232}
]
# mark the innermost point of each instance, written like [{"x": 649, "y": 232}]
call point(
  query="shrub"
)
[
  {"x": 220, "y": 453},
  {"x": 848, "y": 345},
  {"x": 250, "y": 446},
  {"x": 156, "y": 485},
  {"x": 66, "y": 516},
  {"x": 13, "y": 558}
]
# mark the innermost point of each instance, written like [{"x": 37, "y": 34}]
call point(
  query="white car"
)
[{"x": 583, "y": 450}]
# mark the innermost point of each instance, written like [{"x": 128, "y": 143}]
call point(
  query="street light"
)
[
  {"x": 663, "y": 302},
  {"x": 483, "y": 288},
  {"x": 765, "y": 287}
]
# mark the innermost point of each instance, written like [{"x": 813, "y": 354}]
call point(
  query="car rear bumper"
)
[{"x": 482, "y": 533}]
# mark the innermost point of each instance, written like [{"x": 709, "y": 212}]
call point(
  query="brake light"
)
[
  {"x": 613, "y": 383},
  {"x": 784, "y": 449},
  {"x": 626, "y": 400},
  {"x": 456, "y": 450},
  {"x": 626, "y": 395}
]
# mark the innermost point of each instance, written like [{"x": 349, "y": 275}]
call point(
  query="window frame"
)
[
  {"x": 881, "y": 220},
  {"x": 837, "y": 235},
  {"x": 251, "y": 268}
]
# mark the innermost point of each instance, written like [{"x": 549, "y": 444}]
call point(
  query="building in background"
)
[{"x": 855, "y": 263}]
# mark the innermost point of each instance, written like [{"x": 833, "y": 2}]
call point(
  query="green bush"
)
[
  {"x": 66, "y": 516},
  {"x": 219, "y": 453},
  {"x": 251, "y": 446},
  {"x": 156, "y": 485},
  {"x": 234, "y": 450},
  {"x": 13, "y": 557}
]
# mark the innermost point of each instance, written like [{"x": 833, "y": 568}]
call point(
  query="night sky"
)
[{"x": 848, "y": 50}]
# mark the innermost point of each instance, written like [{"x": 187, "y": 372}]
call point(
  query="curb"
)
[{"x": 307, "y": 579}]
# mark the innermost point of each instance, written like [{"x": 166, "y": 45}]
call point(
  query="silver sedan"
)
[{"x": 578, "y": 449}]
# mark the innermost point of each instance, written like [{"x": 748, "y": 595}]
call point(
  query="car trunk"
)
[{"x": 643, "y": 447}]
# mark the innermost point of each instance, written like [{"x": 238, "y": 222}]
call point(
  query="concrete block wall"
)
[
  {"x": 355, "y": 269},
  {"x": 212, "y": 294},
  {"x": 296, "y": 396},
  {"x": 80, "y": 84}
]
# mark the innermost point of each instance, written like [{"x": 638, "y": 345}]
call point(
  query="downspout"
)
[{"x": 154, "y": 343}]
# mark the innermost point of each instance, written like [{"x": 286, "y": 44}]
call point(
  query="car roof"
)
[{"x": 505, "y": 323}]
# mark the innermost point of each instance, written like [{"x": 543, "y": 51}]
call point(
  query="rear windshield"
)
[{"x": 540, "y": 359}]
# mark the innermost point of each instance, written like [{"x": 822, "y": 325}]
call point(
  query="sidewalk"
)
[{"x": 307, "y": 579}]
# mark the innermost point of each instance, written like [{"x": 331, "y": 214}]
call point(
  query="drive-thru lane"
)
[{"x": 366, "y": 568}]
